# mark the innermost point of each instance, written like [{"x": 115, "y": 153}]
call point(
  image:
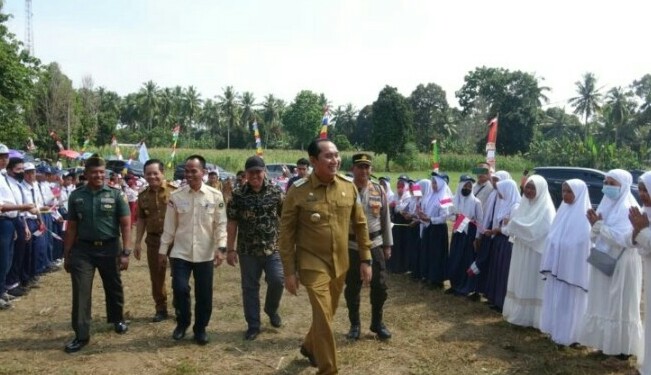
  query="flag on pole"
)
[
  {"x": 30, "y": 145},
  {"x": 436, "y": 159},
  {"x": 491, "y": 141},
  {"x": 175, "y": 138},
  {"x": 258, "y": 141},
  {"x": 143, "y": 154},
  {"x": 325, "y": 122}
]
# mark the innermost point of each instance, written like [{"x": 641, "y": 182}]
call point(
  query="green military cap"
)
[
  {"x": 95, "y": 161},
  {"x": 362, "y": 158}
]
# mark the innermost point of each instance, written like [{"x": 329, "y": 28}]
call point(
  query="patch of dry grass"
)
[{"x": 433, "y": 334}]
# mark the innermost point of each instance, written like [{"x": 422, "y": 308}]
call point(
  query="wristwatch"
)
[
  {"x": 367, "y": 261},
  {"x": 222, "y": 250},
  {"x": 125, "y": 253}
]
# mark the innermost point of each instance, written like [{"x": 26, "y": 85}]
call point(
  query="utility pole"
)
[{"x": 29, "y": 32}]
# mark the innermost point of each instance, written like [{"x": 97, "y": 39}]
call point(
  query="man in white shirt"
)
[
  {"x": 36, "y": 257},
  {"x": 195, "y": 221}
]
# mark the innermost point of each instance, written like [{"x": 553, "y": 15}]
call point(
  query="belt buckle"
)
[{"x": 97, "y": 243}]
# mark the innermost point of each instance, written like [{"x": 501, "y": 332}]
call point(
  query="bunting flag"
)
[
  {"x": 446, "y": 202},
  {"x": 114, "y": 144},
  {"x": 256, "y": 135},
  {"x": 325, "y": 122},
  {"x": 491, "y": 141},
  {"x": 436, "y": 159},
  {"x": 175, "y": 138},
  {"x": 56, "y": 139},
  {"x": 85, "y": 145}
]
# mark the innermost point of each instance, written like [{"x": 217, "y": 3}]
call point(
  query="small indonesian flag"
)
[
  {"x": 41, "y": 229},
  {"x": 446, "y": 202},
  {"x": 461, "y": 223},
  {"x": 473, "y": 270},
  {"x": 56, "y": 236}
]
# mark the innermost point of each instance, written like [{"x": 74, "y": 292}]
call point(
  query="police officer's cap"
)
[
  {"x": 254, "y": 163},
  {"x": 43, "y": 169},
  {"x": 404, "y": 177},
  {"x": 362, "y": 158},
  {"x": 442, "y": 175},
  {"x": 385, "y": 178},
  {"x": 95, "y": 161}
]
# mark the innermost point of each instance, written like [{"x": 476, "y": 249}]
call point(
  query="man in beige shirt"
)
[{"x": 195, "y": 222}]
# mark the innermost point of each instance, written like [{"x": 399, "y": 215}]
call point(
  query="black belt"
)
[
  {"x": 98, "y": 243},
  {"x": 372, "y": 235}
]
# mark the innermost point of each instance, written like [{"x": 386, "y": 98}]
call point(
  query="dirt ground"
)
[{"x": 433, "y": 333}]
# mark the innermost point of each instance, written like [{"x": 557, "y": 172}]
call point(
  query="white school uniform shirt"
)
[
  {"x": 17, "y": 192},
  {"x": 31, "y": 196},
  {"x": 7, "y": 195}
]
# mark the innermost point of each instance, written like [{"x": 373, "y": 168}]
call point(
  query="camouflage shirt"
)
[{"x": 258, "y": 218}]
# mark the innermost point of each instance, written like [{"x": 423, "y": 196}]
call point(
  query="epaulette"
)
[
  {"x": 300, "y": 182},
  {"x": 171, "y": 185},
  {"x": 344, "y": 177}
]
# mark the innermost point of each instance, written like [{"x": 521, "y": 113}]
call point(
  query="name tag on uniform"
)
[{"x": 108, "y": 200}]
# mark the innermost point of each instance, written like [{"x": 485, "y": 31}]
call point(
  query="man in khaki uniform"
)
[
  {"x": 317, "y": 214},
  {"x": 152, "y": 204}
]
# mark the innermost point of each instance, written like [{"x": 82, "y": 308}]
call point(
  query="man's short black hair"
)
[
  {"x": 149, "y": 162},
  {"x": 201, "y": 159},
  {"x": 303, "y": 161},
  {"x": 239, "y": 173},
  {"x": 14, "y": 161},
  {"x": 314, "y": 148}
]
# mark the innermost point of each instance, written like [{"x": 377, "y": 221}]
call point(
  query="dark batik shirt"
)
[{"x": 258, "y": 218}]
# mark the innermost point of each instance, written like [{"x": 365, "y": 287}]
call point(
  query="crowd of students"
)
[{"x": 574, "y": 273}]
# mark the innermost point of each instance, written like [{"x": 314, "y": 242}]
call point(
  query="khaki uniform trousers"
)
[
  {"x": 324, "y": 291},
  {"x": 156, "y": 273}
]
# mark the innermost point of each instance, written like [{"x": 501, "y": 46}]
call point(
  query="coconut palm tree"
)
[
  {"x": 621, "y": 106},
  {"x": 229, "y": 103},
  {"x": 191, "y": 104},
  {"x": 148, "y": 98},
  {"x": 588, "y": 102}
]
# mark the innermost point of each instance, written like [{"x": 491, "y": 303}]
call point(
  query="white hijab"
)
[
  {"x": 465, "y": 205},
  {"x": 434, "y": 197},
  {"x": 615, "y": 213},
  {"x": 568, "y": 242},
  {"x": 510, "y": 200},
  {"x": 530, "y": 222},
  {"x": 502, "y": 175},
  {"x": 646, "y": 180},
  {"x": 492, "y": 199}
]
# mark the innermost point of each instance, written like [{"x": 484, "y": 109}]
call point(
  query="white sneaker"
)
[{"x": 4, "y": 305}]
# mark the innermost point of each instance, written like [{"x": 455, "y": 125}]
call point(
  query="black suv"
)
[{"x": 593, "y": 178}]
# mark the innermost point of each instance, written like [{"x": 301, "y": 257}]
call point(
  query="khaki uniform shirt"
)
[
  {"x": 152, "y": 206},
  {"x": 195, "y": 221},
  {"x": 315, "y": 223},
  {"x": 374, "y": 202}
]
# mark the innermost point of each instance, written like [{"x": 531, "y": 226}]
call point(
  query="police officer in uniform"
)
[
  {"x": 98, "y": 237},
  {"x": 317, "y": 215},
  {"x": 152, "y": 204},
  {"x": 374, "y": 201}
]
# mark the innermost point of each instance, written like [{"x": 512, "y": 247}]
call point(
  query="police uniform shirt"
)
[
  {"x": 152, "y": 206},
  {"x": 315, "y": 223},
  {"x": 98, "y": 213},
  {"x": 374, "y": 201},
  {"x": 195, "y": 221}
]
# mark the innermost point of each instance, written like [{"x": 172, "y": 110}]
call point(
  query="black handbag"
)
[{"x": 603, "y": 261}]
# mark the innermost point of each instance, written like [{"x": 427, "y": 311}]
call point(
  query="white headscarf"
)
[
  {"x": 530, "y": 222},
  {"x": 502, "y": 175},
  {"x": 465, "y": 205},
  {"x": 615, "y": 213},
  {"x": 508, "y": 203},
  {"x": 645, "y": 179},
  {"x": 568, "y": 242},
  {"x": 492, "y": 199},
  {"x": 434, "y": 197}
]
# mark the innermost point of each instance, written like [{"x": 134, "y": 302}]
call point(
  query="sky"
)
[{"x": 348, "y": 50}]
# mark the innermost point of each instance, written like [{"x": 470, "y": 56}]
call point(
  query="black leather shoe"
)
[
  {"x": 201, "y": 338},
  {"x": 309, "y": 356},
  {"x": 381, "y": 331},
  {"x": 75, "y": 345},
  {"x": 354, "y": 332},
  {"x": 275, "y": 320},
  {"x": 251, "y": 334},
  {"x": 120, "y": 327},
  {"x": 160, "y": 316},
  {"x": 179, "y": 332},
  {"x": 17, "y": 291}
]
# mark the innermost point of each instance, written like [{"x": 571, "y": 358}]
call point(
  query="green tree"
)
[
  {"x": 363, "y": 128},
  {"x": 210, "y": 120},
  {"x": 392, "y": 123},
  {"x": 302, "y": 120},
  {"x": 621, "y": 106},
  {"x": 515, "y": 96},
  {"x": 191, "y": 106},
  {"x": 272, "y": 112},
  {"x": 588, "y": 101},
  {"x": 148, "y": 99},
  {"x": 431, "y": 111},
  {"x": 229, "y": 103},
  {"x": 18, "y": 71},
  {"x": 345, "y": 118},
  {"x": 108, "y": 116},
  {"x": 556, "y": 123}
]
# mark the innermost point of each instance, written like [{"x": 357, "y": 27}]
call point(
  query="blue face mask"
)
[{"x": 611, "y": 192}]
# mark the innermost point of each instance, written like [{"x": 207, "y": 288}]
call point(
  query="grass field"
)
[{"x": 434, "y": 333}]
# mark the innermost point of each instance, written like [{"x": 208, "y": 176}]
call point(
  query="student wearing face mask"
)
[{"x": 468, "y": 213}]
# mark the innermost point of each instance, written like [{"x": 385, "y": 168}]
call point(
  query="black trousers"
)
[
  {"x": 203, "y": 277},
  {"x": 354, "y": 285},
  {"x": 82, "y": 272}
]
